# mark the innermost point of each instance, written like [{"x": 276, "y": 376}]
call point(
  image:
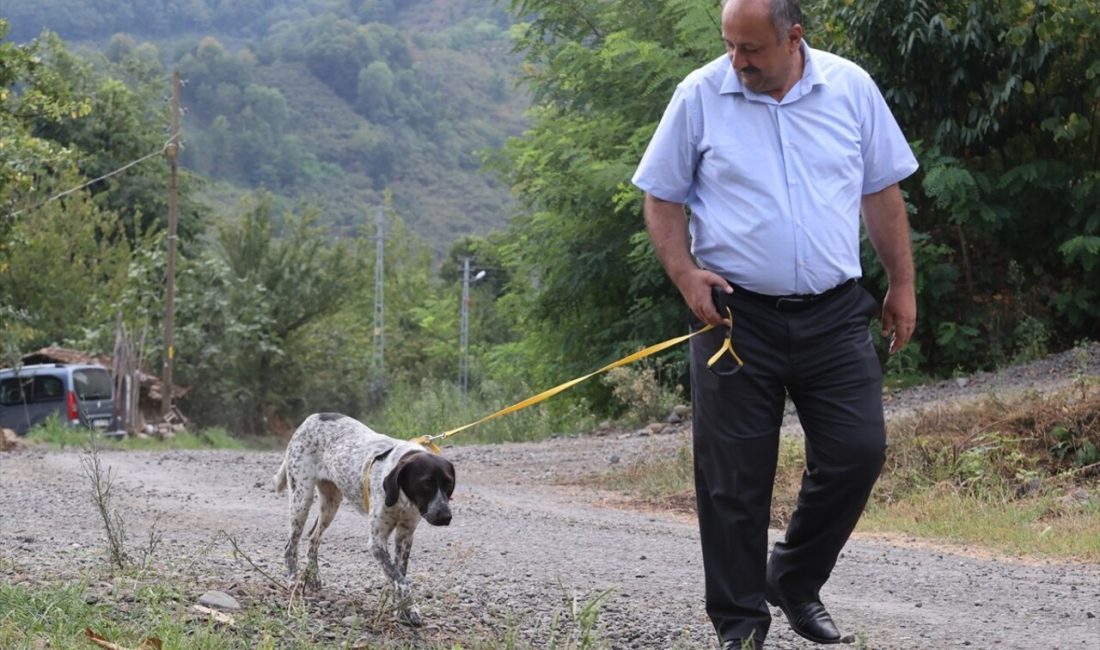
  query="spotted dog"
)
[{"x": 393, "y": 482}]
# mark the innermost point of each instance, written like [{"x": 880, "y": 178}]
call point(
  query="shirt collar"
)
[{"x": 811, "y": 76}]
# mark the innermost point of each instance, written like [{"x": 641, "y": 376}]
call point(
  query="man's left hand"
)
[{"x": 899, "y": 315}]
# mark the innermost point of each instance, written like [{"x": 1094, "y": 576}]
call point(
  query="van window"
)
[
  {"x": 10, "y": 393},
  {"x": 20, "y": 390},
  {"x": 48, "y": 389},
  {"x": 92, "y": 384}
]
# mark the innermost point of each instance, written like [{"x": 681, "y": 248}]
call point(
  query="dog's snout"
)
[{"x": 439, "y": 512}]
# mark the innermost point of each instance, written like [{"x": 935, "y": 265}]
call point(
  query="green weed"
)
[
  {"x": 639, "y": 393},
  {"x": 127, "y": 609}
]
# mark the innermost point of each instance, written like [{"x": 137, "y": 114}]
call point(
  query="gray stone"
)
[{"x": 219, "y": 600}]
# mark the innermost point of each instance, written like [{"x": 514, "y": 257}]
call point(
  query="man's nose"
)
[{"x": 738, "y": 59}]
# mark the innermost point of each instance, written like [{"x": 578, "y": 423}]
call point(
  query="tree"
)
[
  {"x": 601, "y": 73},
  {"x": 65, "y": 264},
  {"x": 420, "y": 327},
  {"x": 1000, "y": 99},
  {"x": 275, "y": 283},
  {"x": 1004, "y": 99}
]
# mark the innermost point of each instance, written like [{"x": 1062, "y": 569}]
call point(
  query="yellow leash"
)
[{"x": 429, "y": 441}]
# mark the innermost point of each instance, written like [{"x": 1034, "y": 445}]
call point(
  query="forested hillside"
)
[
  {"x": 326, "y": 103},
  {"x": 335, "y": 109}
]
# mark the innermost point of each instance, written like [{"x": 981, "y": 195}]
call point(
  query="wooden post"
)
[{"x": 172, "y": 151}]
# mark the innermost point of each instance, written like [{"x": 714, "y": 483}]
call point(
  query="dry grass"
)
[
  {"x": 1020, "y": 476},
  {"x": 995, "y": 448}
]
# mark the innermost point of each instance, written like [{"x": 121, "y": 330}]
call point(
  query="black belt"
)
[{"x": 794, "y": 302}]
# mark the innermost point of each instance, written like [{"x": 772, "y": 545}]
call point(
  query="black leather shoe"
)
[
  {"x": 808, "y": 619},
  {"x": 738, "y": 644}
]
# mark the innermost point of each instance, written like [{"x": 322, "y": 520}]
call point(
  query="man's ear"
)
[
  {"x": 390, "y": 484},
  {"x": 794, "y": 38}
]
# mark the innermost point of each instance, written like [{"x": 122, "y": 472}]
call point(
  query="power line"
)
[{"x": 128, "y": 165}]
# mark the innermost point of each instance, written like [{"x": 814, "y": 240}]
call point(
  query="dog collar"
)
[{"x": 366, "y": 478}]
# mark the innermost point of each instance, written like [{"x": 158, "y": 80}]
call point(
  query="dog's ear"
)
[{"x": 390, "y": 483}]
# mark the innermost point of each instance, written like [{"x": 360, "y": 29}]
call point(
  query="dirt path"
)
[{"x": 524, "y": 544}]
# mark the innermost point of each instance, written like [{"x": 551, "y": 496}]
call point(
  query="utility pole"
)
[
  {"x": 464, "y": 329},
  {"x": 172, "y": 151},
  {"x": 378, "y": 334}
]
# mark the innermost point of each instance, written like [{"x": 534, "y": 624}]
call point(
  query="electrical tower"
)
[
  {"x": 378, "y": 333},
  {"x": 464, "y": 328}
]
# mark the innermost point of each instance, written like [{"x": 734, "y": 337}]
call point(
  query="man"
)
[{"x": 776, "y": 148}]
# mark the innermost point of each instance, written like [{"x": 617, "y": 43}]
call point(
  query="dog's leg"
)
[
  {"x": 301, "y": 498},
  {"x": 402, "y": 547},
  {"x": 330, "y": 503},
  {"x": 379, "y": 539}
]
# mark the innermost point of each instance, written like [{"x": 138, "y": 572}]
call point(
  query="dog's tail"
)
[{"x": 279, "y": 480}]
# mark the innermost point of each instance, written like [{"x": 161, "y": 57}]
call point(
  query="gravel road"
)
[{"x": 529, "y": 545}]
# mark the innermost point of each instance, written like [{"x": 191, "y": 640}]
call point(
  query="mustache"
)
[{"x": 750, "y": 70}]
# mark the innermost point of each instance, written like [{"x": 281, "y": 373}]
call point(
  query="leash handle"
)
[{"x": 727, "y": 346}]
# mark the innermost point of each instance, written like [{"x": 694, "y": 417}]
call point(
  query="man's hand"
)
[
  {"x": 899, "y": 315},
  {"x": 667, "y": 226},
  {"x": 888, "y": 229},
  {"x": 696, "y": 286}
]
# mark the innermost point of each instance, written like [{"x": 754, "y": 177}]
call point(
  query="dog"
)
[{"x": 393, "y": 482}]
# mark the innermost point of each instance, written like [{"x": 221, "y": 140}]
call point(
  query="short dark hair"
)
[{"x": 784, "y": 13}]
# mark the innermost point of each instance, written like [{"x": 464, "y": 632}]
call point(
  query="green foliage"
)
[
  {"x": 324, "y": 102},
  {"x": 67, "y": 264},
  {"x": 639, "y": 395},
  {"x": 1002, "y": 120},
  {"x": 1003, "y": 98},
  {"x": 595, "y": 69},
  {"x": 70, "y": 267},
  {"x": 56, "y": 433},
  {"x": 581, "y": 616},
  {"x": 326, "y": 105},
  {"x": 242, "y": 306},
  {"x": 244, "y": 122},
  {"x": 155, "y": 603},
  {"x": 32, "y": 91},
  {"x": 433, "y": 406}
]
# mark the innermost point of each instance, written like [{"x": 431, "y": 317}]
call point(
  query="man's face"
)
[{"x": 764, "y": 60}]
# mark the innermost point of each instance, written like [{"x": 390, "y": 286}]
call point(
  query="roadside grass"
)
[
  {"x": 128, "y": 608},
  {"x": 56, "y": 616},
  {"x": 54, "y": 433},
  {"x": 1019, "y": 476}
]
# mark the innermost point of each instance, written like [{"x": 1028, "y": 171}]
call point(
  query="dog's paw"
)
[
  {"x": 411, "y": 616},
  {"x": 312, "y": 580}
]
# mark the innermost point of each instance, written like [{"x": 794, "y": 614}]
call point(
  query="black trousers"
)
[{"x": 822, "y": 356}]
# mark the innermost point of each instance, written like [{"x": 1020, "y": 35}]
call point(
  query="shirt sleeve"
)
[
  {"x": 887, "y": 157},
  {"x": 667, "y": 169}
]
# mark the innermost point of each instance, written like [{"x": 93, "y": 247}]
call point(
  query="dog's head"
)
[{"x": 427, "y": 480}]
